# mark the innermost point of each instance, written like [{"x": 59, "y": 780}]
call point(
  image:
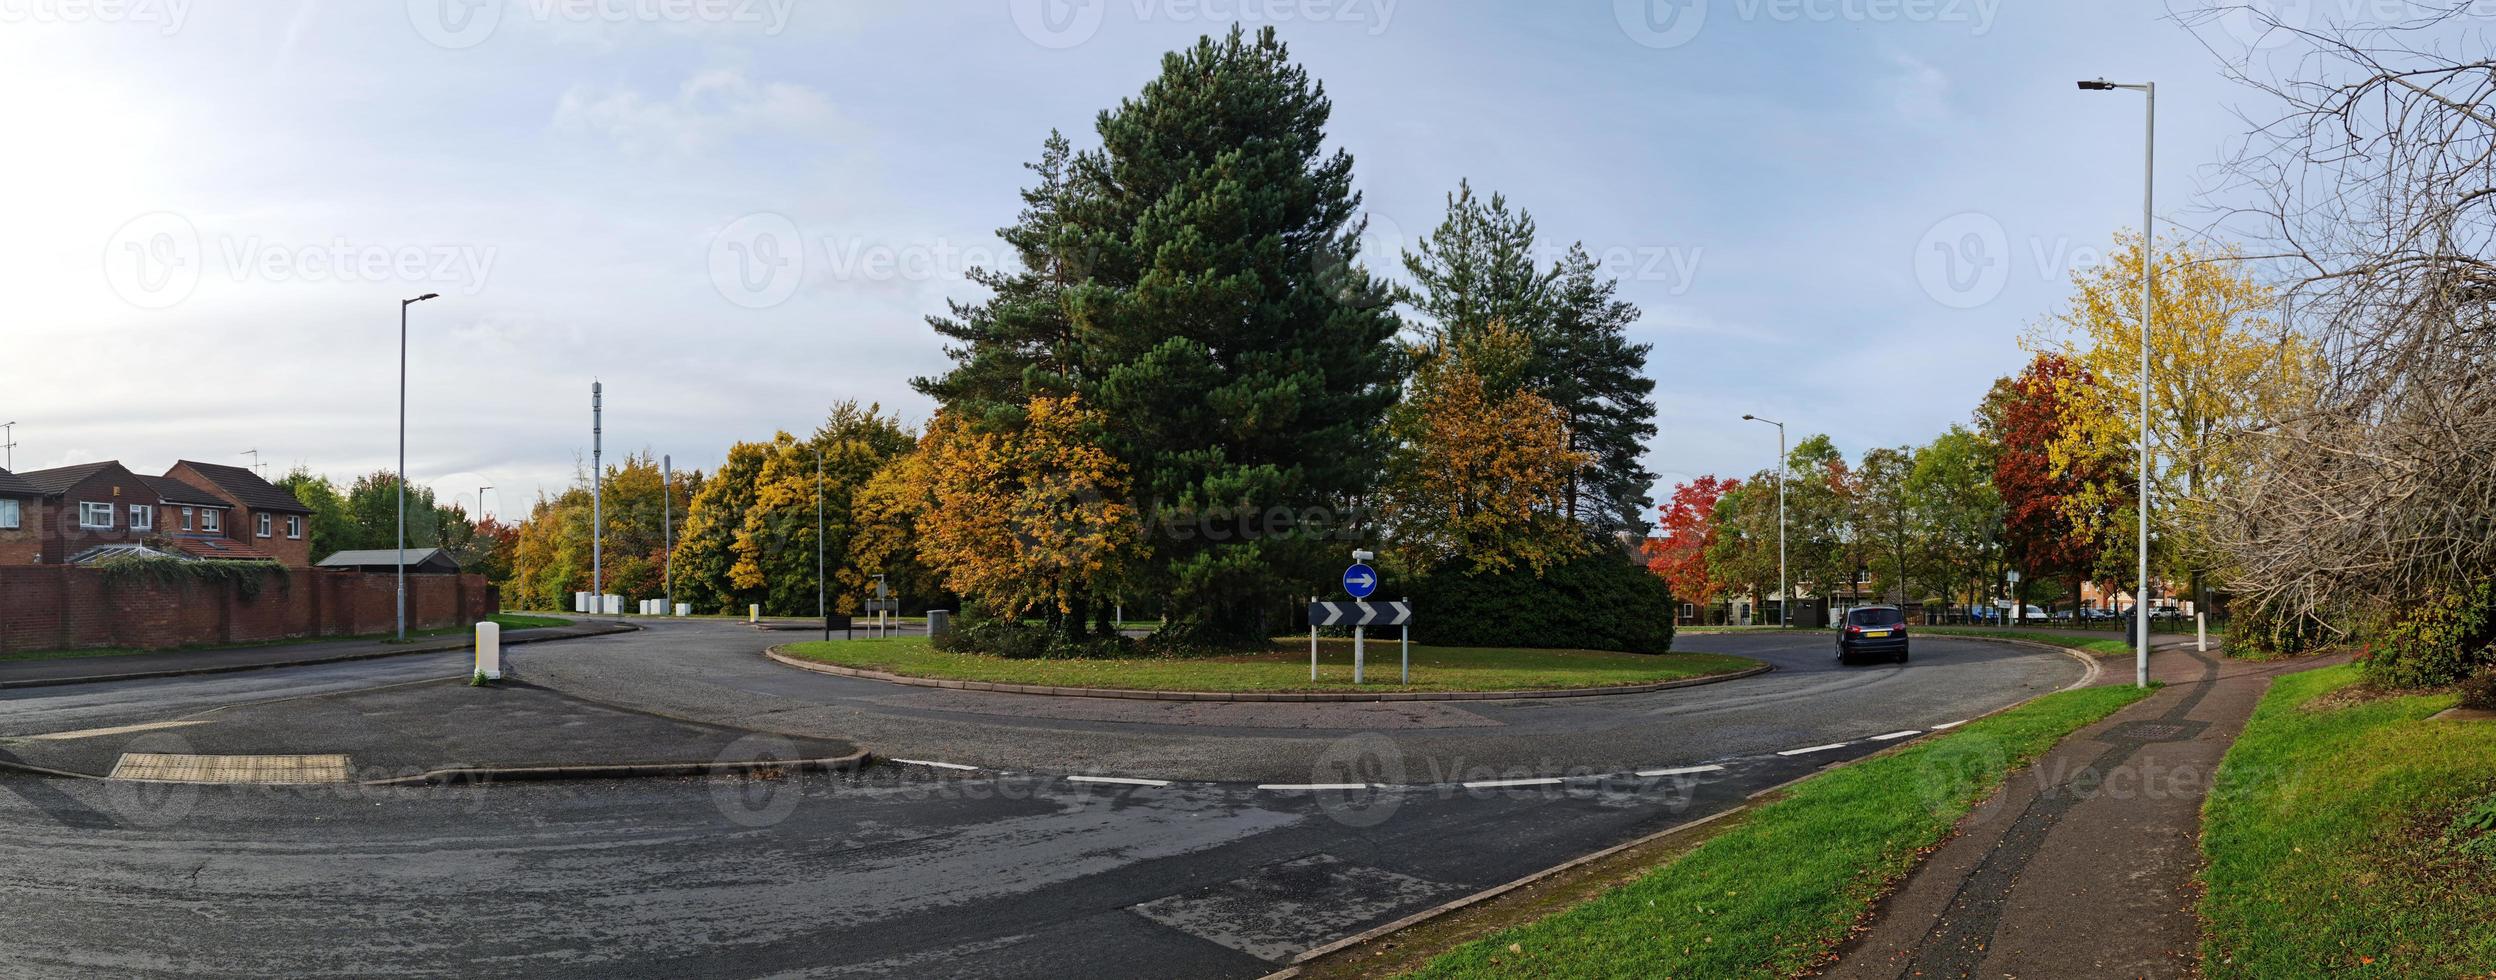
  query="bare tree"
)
[{"x": 2374, "y": 187}]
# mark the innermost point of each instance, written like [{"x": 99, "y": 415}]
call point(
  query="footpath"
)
[
  {"x": 179, "y": 663},
  {"x": 2083, "y": 866}
]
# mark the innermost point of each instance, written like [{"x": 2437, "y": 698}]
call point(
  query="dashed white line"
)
[
  {"x": 1497, "y": 783},
  {"x": 1118, "y": 780},
  {"x": 1953, "y": 724},
  {"x": 1683, "y": 771},
  {"x": 1894, "y": 736},
  {"x": 939, "y": 765},
  {"x": 1816, "y": 748},
  {"x": 1310, "y": 787}
]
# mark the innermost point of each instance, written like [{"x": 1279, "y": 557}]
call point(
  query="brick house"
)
[
  {"x": 198, "y": 522},
  {"x": 88, "y": 506},
  {"x": 21, "y": 520},
  {"x": 264, "y": 518}
]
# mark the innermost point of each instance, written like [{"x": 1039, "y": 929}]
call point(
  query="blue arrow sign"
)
[{"x": 1360, "y": 580}]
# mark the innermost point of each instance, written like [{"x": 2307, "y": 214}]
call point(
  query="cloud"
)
[
  {"x": 711, "y": 109},
  {"x": 1921, "y": 92}
]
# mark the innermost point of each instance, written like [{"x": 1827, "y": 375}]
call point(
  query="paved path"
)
[{"x": 2084, "y": 865}]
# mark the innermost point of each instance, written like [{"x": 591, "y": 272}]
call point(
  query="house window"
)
[
  {"x": 1689, "y": 611},
  {"x": 211, "y": 519},
  {"x": 8, "y": 515},
  {"x": 264, "y": 525},
  {"x": 142, "y": 517},
  {"x": 186, "y": 518},
  {"x": 294, "y": 526},
  {"x": 94, "y": 515}
]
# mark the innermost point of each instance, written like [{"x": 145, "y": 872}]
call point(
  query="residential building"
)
[
  {"x": 199, "y": 523},
  {"x": 21, "y": 520},
  {"x": 260, "y": 515},
  {"x": 87, "y": 507}
]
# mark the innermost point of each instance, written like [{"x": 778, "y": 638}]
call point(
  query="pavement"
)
[
  {"x": 184, "y": 663},
  {"x": 2084, "y": 865}
]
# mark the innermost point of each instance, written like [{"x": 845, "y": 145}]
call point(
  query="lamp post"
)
[
  {"x": 481, "y": 502},
  {"x": 1785, "y": 593},
  {"x": 2149, "y": 252},
  {"x": 402, "y": 488}
]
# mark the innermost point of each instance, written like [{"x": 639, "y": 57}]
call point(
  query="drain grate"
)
[{"x": 255, "y": 769}]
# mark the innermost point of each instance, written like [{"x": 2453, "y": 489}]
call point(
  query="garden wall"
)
[{"x": 65, "y": 607}]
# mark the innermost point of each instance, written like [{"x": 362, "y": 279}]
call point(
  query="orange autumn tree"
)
[
  {"x": 1030, "y": 515},
  {"x": 1480, "y": 475}
]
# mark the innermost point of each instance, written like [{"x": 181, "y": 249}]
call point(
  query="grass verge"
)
[
  {"x": 509, "y": 621},
  {"x": 1772, "y": 894},
  {"x": 2096, "y": 646},
  {"x": 2326, "y": 838},
  {"x": 1285, "y": 669}
]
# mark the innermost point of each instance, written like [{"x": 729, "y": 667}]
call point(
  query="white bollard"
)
[
  {"x": 684, "y": 609},
  {"x": 2201, "y": 631},
  {"x": 754, "y": 613},
  {"x": 490, "y": 651}
]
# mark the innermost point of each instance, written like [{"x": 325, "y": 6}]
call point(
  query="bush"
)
[
  {"x": 2434, "y": 643},
  {"x": 1017, "y": 641},
  {"x": 1597, "y": 602},
  {"x": 2479, "y": 692},
  {"x": 2260, "y": 631}
]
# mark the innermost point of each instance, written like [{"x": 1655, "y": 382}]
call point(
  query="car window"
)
[{"x": 1875, "y": 617}]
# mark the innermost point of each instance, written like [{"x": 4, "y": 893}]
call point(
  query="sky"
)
[{"x": 1841, "y": 214}]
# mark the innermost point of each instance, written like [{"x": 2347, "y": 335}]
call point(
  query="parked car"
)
[{"x": 1873, "y": 631}]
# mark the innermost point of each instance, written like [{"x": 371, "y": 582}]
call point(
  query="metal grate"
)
[{"x": 256, "y": 769}]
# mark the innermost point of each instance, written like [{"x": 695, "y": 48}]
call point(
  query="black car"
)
[{"x": 1873, "y": 631}]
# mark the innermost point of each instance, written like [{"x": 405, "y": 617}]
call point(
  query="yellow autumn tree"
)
[
  {"x": 2220, "y": 371},
  {"x": 1026, "y": 515},
  {"x": 1480, "y": 473}
]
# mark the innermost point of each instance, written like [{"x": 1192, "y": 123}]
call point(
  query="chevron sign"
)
[{"x": 1360, "y": 613}]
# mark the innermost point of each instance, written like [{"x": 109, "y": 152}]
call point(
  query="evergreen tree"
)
[
  {"x": 1019, "y": 343},
  {"x": 1478, "y": 268}
]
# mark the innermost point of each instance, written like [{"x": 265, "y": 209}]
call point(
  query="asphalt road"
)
[{"x": 1012, "y": 869}]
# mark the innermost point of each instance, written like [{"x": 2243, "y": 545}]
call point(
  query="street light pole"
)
[
  {"x": 1785, "y": 592},
  {"x": 667, "y": 533},
  {"x": 2149, "y": 253},
  {"x": 402, "y": 488},
  {"x": 822, "y": 611},
  {"x": 481, "y": 502}
]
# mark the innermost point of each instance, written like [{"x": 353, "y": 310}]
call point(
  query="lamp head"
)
[{"x": 2097, "y": 85}]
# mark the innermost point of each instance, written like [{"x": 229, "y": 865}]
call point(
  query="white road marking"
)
[
  {"x": 939, "y": 765},
  {"x": 117, "y": 730},
  {"x": 1953, "y": 724},
  {"x": 1683, "y": 771},
  {"x": 1310, "y": 787},
  {"x": 1496, "y": 783},
  {"x": 1117, "y": 780},
  {"x": 1816, "y": 748},
  {"x": 1894, "y": 736}
]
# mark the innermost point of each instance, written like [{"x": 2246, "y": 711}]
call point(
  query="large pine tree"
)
[{"x": 1196, "y": 279}]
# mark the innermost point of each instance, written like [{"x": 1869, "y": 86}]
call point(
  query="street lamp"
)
[
  {"x": 1785, "y": 593},
  {"x": 2149, "y": 179},
  {"x": 481, "y": 502},
  {"x": 403, "y": 305}
]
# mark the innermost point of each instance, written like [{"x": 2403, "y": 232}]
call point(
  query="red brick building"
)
[
  {"x": 71, "y": 514},
  {"x": 263, "y": 517},
  {"x": 21, "y": 521},
  {"x": 88, "y": 506}
]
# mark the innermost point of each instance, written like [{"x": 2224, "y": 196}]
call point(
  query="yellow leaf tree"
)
[
  {"x": 1028, "y": 515},
  {"x": 2220, "y": 370},
  {"x": 1480, "y": 473}
]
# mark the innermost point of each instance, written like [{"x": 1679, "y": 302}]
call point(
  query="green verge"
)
[
  {"x": 1772, "y": 894},
  {"x": 1285, "y": 669},
  {"x": 2325, "y": 837},
  {"x": 509, "y": 621},
  {"x": 2100, "y": 646}
]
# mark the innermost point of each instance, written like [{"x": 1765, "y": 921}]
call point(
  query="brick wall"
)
[{"x": 54, "y": 607}]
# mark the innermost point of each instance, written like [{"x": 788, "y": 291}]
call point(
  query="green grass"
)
[
  {"x": 1773, "y": 893},
  {"x": 2324, "y": 837},
  {"x": 2096, "y": 646},
  {"x": 1286, "y": 667},
  {"x": 509, "y": 621}
]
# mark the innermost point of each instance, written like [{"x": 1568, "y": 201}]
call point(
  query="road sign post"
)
[
  {"x": 1404, "y": 635},
  {"x": 1312, "y": 641},
  {"x": 1360, "y": 616}
]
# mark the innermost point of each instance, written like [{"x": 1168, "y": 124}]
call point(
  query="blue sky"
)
[{"x": 214, "y": 205}]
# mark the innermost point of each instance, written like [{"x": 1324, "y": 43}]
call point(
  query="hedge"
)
[{"x": 1596, "y": 602}]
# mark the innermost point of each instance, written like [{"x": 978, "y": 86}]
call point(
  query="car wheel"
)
[{"x": 1902, "y": 655}]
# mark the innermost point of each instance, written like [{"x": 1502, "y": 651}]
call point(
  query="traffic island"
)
[
  {"x": 1279, "y": 674},
  {"x": 438, "y": 731}
]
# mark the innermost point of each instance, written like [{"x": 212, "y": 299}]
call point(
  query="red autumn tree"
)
[
  {"x": 2025, "y": 414},
  {"x": 1689, "y": 522}
]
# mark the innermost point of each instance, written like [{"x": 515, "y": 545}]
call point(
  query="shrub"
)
[
  {"x": 1595, "y": 602},
  {"x": 2435, "y": 642},
  {"x": 2260, "y": 631},
  {"x": 2479, "y": 691},
  {"x": 1018, "y": 641}
]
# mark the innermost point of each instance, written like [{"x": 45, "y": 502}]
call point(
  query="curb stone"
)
[{"x": 412, "y": 650}]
